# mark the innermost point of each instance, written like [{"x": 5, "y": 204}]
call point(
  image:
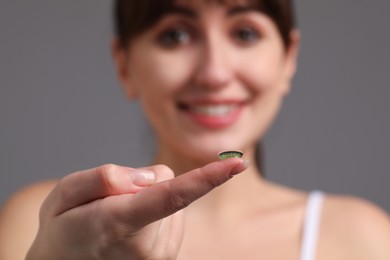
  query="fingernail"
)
[
  {"x": 143, "y": 177},
  {"x": 241, "y": 167},
  {"x": 246, "y": 163}
]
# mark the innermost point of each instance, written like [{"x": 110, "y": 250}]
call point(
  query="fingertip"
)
[
  {"x": 231, "y": 166},
  {"x": 240, "y": 167}
]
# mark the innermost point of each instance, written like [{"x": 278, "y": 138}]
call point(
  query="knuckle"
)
[
  {"x": 107, "y": 168},
  {"x": 64, "y": 190},
  {"x": 107, "y": 177},
  {"x": 176, "y": 200},
  {"x": 212, "y": 182},
  {"x": 179, "y": 202}
]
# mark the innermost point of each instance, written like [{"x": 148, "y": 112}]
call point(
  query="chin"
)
[{"x": 208, "y": 149}]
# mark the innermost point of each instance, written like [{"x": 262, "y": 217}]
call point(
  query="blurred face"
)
[{"x": 210, "y": 77}]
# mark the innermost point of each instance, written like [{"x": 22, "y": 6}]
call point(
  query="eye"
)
[
  {"x": 246, "y": 35},
  {"x": 174, "y": 36}
]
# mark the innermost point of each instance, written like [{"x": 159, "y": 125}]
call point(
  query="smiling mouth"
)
[
  {"x": 213, "y": 114},
  {"x": 210, "y": 110}
]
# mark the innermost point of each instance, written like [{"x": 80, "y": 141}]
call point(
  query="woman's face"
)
[{"x": 210, "y": 77}]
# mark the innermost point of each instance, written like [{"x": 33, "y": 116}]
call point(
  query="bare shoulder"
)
[
  {"x": 355, "y": 228},
  {"x": 19, "y": 219}
]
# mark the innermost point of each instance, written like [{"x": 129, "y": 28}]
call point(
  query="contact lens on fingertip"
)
[{"x": 230, "y": 154}]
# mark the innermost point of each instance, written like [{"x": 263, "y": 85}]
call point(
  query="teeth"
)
[{"x": 214, "y": 110}]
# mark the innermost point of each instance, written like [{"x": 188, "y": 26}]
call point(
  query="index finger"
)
[{"x": 165, "y": 198}]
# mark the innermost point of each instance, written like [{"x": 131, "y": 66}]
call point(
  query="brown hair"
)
[{"x": 133, "y": 17}]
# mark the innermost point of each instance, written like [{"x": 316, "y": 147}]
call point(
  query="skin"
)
[
  {"x": 124, "y": 215},
  {"x": 209, "y": 74}
]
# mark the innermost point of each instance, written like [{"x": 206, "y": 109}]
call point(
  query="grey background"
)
[{"x": 62, "y": 110}]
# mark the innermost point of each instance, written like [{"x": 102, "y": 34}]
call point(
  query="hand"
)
[{"x": 114, "y": 212}]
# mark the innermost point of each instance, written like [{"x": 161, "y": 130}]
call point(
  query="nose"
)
[{"x": 214, "y": 70}]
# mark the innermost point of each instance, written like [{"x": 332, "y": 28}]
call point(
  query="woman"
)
[{"x": 211, "y": 76}]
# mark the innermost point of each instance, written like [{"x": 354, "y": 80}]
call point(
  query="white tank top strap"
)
[{"x": 311, "y": 225}]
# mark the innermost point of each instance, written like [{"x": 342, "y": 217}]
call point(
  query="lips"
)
[{"x": 212, "y": 114}]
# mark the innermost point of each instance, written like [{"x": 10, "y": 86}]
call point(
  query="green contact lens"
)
[{"x": 230, "y": 154}]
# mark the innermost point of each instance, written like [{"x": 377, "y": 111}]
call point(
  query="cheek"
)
[
  {"x": 262, "y": 68},
  {"x": 163, "y": 72},
  {"x": 159, "y": 76}
]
